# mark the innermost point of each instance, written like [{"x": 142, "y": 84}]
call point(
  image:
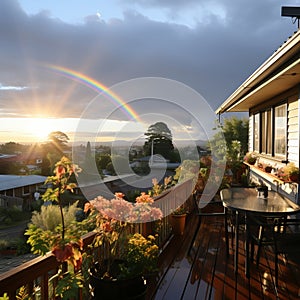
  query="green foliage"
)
[
  {"x": 49, "y": 217},
  {"x": 160, "y": 136},
  {"x": 235, "y": 129},
  {"x": 64, "y": 239},
  {"x": 9, "y": 215},
  {"x": 4, "y": 297},
  {"x": 45, "y": 228},
  {"x": 157, "y": 188},
  {"x": 103, "y": 161},
  {"x": 18, "y": 244},
  {"x": 186, "y": 170},
  {"x": 231, "y": 141},
  {"x": 67, "y": 284},
  {"x": 13, "y": 148}
]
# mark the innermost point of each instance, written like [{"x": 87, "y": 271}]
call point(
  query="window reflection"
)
[{"x": 280, "y": 130}]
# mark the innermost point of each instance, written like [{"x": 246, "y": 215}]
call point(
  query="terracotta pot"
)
[
  {"x": 294, "y": 178},
  {"x": 178, "y": 224},
  {"x": 251, "y": 161},
  {"x": 268, "y": 169}
]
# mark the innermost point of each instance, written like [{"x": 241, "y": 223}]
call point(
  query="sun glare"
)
[{"x": 39, "y": 128}]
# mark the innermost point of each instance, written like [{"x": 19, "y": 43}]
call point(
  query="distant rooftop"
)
[
  {"x": 3, "y": 156},
  {"x": 14, "y": 181}
]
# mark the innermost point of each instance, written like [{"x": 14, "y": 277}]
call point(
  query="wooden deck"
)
[{"x": 205, "y": 272}]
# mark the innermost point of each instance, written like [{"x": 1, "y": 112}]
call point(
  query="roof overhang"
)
[{"x": 278, "y": 74}]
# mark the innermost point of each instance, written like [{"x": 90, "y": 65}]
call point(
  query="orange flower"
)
[
  {"x": 119, "y": 195},
  {"x": 87, "y": 207},
  {"x": 144, "y": 198}
]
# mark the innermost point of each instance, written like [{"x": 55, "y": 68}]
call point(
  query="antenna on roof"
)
[{"x": 291, "y": 11}]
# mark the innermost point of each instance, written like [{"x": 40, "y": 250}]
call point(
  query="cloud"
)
[
  {"x": 213, "y": 57},
  {"x": 8, "y": 88}
]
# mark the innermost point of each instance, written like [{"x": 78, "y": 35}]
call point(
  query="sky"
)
[{"x": 57, "y": 56}]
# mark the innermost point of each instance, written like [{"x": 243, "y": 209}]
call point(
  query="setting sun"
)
[{"x": 40, "y": 128}]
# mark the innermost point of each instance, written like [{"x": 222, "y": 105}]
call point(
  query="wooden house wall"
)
[
  {"x": 293, "y": 140},
  {"x": 293, "y": 130}
]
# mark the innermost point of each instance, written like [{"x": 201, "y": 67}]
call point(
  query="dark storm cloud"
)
[{"x": 213, "y": 57}]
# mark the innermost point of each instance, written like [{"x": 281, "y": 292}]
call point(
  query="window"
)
[
  {"x": 256, "y": 132},
  {"x": 270, "y": 131},
  {"x": 266, "y": 132},
  {"x": 9, "y": 192},
  {"x": 280, "y": 119},
  {"x": 26, "y": 190}
]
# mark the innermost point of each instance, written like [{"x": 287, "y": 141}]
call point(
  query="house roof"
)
[
  {"x": 14, "y": 181},
  {"x": 277, "y": 74},
  {"x": 7, "y": 156}
]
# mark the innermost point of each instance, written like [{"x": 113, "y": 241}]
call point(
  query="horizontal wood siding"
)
[{"x": 293, "y": 130}]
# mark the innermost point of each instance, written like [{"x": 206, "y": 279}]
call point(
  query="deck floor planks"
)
[{"x": 207, "y": 273}]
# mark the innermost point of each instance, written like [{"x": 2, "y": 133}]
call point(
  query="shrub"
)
[{"x": 49, "y": 216}]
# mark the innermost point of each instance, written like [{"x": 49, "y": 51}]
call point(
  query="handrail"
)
[{"x": 39, "y": 269}]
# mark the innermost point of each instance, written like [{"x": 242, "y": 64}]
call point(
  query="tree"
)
[
  {"x": 103, "y": 161},
  {"x": 89, "y": 159},
  {"x": 159, "y": 137},
  {"x": 59, "y": 140},
  {"x": 53, "y": 150},
  {"x": 12, "y": 148},
  {"x": 235, "y": 129}
]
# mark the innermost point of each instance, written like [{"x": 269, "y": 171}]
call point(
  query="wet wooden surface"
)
[{"x": 206, "y": 272}]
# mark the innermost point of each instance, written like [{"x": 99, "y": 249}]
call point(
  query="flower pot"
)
[
  {"x": 178, "y": 224},
  {"x": 268, "y": 169},
  {"x": 294, "y": 177},
  {"x": 251, "y": 161},
  {"x": 115, "y": 289}
]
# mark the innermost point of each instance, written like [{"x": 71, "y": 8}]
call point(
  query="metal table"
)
[{"x": 246, "y": 200}]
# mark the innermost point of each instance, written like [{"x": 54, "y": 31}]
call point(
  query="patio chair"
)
[
  {"x": 262, "y": 231},
  {"x": 280, "y": 232},
  {"x": 287, "y": 243},
  {"x": 201, "y": 210},
  {"x": 230, "y": 219}
]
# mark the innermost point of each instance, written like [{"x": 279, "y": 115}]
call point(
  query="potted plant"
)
[
  {"x": 119, "y": 272},
  {"x": 124, "y": 257},
  {"x": 63, "y": 239},
  {"x": 178, "y": 219},
  {"x": 268, "y": 168},
  {"x": 250, "y": 158},
  {"x": 290, "y": 172}
]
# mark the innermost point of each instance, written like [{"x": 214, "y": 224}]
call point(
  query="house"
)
[
  {"x": 31, "y": 160},
  {"x": 271, "y": 97},
  {"x": 18, "y": 187}
]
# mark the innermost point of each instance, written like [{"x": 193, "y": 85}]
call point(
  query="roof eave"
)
[{"x": 283, "y": 54}]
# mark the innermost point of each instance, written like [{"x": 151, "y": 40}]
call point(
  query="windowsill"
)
[{"x": 275, "y": 159}]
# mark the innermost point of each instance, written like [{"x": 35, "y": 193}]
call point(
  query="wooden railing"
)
[{"x": 37, "y": 271}]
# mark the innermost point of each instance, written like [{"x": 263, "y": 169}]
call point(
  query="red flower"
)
[
  {"x": 59, "y": 171},
  {"x": 62, "y": 254}
]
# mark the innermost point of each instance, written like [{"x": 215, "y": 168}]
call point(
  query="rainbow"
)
[{"x": 96, "y": 86}]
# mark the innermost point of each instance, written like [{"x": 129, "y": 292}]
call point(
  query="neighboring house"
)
[
  {"x": 271, "y": 97},
  {"x": 13, "y": 187},
  {"x": 32, "y": 160}
]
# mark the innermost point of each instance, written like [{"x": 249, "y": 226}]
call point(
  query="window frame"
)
[{"x": 264, "y": 142}]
